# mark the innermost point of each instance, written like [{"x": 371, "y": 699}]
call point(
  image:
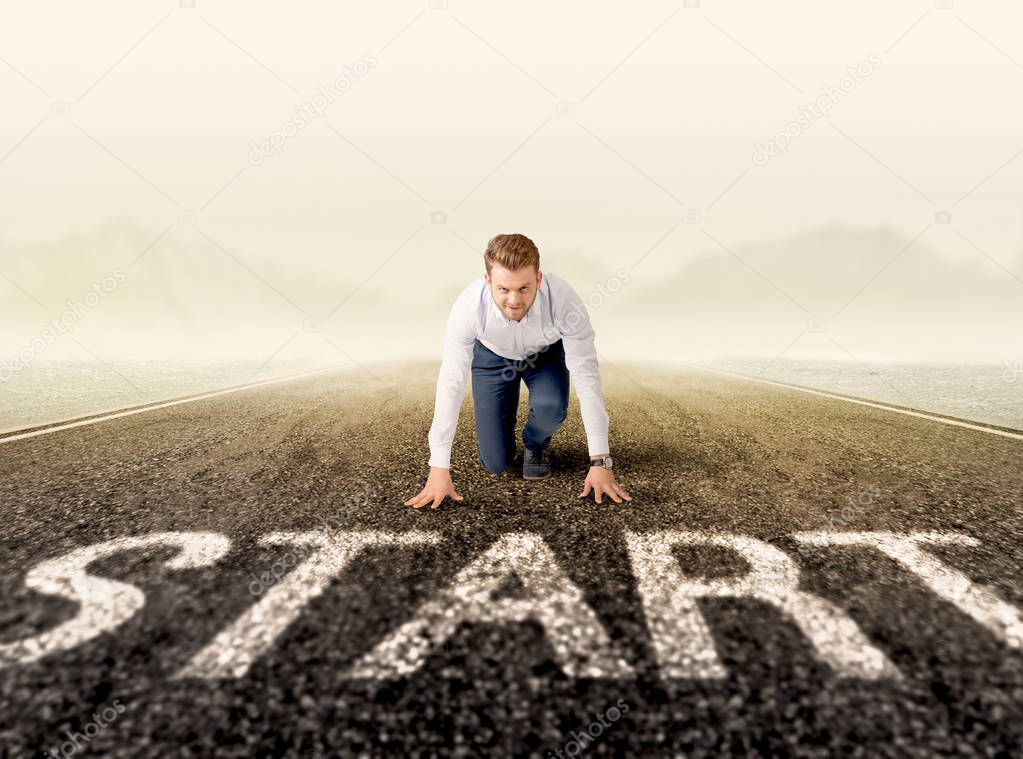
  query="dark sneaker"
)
[{"x": 535, "y": 464}]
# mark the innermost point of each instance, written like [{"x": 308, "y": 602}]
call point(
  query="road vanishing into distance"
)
[{"x": 237, "y": 575}]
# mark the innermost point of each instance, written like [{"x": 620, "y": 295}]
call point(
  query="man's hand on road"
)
[
  {"x": 601, "y": 481},
  {"x": 438, "y": 487}
]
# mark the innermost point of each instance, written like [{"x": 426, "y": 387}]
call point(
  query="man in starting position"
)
[{"x": 514, "y": 325}]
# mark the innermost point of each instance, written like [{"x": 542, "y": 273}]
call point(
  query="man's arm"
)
[
  {"x": 459, "y": 337},
  {"x": 577, "y": 334},
  {"x": 578, "y": 337}
]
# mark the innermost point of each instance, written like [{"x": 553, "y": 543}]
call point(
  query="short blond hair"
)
[{"x": 512, "y": 252}]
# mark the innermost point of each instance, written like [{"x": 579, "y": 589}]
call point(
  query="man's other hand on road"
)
[
  {"x": 438, "y": 487},
  {"x": 602, "y": 481}
]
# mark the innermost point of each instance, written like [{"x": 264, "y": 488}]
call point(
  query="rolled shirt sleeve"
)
[
  {"x": 572, "y": 320},
  {"x": 459, "y": 337}
]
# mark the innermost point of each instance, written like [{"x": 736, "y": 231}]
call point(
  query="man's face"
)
[{"x": 514, "y": 291}]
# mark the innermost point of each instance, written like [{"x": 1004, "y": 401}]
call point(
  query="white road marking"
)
[
  {"x": 682, "y": 641},
  {"x": 235, "y": 648},
  {"x": 581, "y": 645},
  {"x": 164, "y": 404},
  {"x": 872, "y": 404},
  {"x": 105, "y": 604},
  {"x": 975, "y": 600}
]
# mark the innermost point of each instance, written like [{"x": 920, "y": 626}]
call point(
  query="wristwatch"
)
[{"x": 604, "y": 462}]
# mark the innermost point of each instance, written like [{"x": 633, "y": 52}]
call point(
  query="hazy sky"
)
[{"x": 615, "y": 137}]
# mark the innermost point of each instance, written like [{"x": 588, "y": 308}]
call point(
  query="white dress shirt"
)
[{"x": 558, "y": 313}]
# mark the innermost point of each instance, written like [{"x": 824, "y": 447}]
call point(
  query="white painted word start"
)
[{"x": 681, "y": 639}]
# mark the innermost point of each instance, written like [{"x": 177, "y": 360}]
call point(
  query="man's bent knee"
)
[
  {"x": 494, "y": 466},
  {"x": 550, "y": 411}
]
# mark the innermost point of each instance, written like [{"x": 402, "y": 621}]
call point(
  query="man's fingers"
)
[
  {"x": 419, "y": 500},
  {"x": 437, "y": 499},
  {"x": 613, "y": 490}
]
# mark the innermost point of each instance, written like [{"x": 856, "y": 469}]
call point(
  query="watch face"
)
[{"x": 607, "y": 461}]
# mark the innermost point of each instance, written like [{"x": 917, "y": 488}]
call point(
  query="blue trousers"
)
[{"x": 495, "y": 391}]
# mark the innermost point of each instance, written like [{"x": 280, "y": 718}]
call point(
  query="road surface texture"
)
[{"x": 238, "y": 576}]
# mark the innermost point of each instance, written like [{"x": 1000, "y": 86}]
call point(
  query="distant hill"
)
[{"x": 187, "y": 295}]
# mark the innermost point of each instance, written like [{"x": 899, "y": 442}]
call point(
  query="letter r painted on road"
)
[{"x": 682, "y": 641}]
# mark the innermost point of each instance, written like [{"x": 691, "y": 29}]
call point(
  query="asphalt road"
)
[{"x": 837, "y": 650}]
